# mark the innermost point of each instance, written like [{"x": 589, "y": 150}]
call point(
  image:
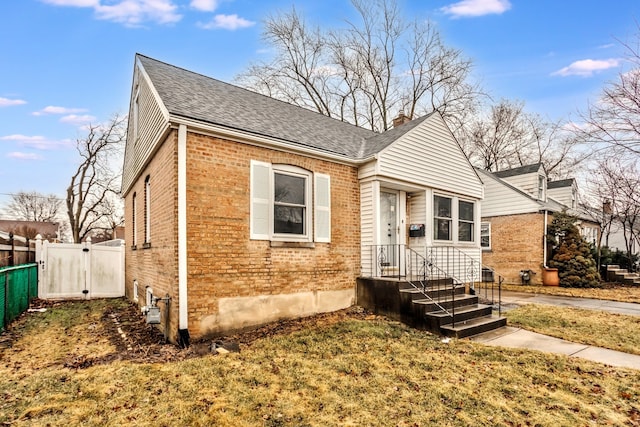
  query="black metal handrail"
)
[
  {"x": 438, "y": 264},
  {"x": 426, "y": 273}
]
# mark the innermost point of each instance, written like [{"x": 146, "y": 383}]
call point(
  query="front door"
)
[{"x": 389, "y": 230}]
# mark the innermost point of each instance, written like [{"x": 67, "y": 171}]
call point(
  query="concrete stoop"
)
[
  {"x": 621, "y": 275},
  {"x": 441, "y": 307}
]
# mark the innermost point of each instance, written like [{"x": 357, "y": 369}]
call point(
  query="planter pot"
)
[{"x": 550, "y": 277}]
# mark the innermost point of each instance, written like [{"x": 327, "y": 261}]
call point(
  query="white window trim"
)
[
  {"x": 134, "y": 218},
  {"x": 135, "y": 291},
  {"x": 472, "y": 222},
  {"x": 455, "y": 220},
  {"x": 136, "y": 113},
  {"x": 308, "y": 176},
  {"x": 147, "y": 208},
  {"x": 482, "y": 224},
  {"x": 149, "y": 296},
  {"x": 261, "y": 211},
  {"x": 450, "y": 219}
]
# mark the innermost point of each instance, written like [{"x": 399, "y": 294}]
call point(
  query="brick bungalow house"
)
[
  {"x": 518, "y": 206},
  {"x": 243, "y": 209}
]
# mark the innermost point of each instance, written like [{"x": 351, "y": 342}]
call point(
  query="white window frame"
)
[
  {"x": 135, "y": 291},
  {"x": 317, "y": 212},
  {"x": 466, "y": 221},
  {"x": 136, "y": 114},
  {"x": 488, "y": 225},
  {"x": 542, "y": 181},
  {"x": 134, "y": 221},
  {"x": 437, "y": 217},
  {"x": 299, "y": 173},
  {"x": 148, "y": 296},
  {"x": 455, "y": 220},
  {"x": 147, "y": 210}
]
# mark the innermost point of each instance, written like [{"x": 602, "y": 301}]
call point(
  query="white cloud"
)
[
  {"x": 226, "y": 22},
  {"x": 73, "y": 3},
  {"x": 23, "y": 156},
  {"x": 205, "y": 5},
  {"x": 51, "y": 109},
  {"x": 78, "y": 120},
  {"x": 587, "y": 67},
  {"x": 466, "y": 8},
  {"x": 38, "y": 142},
  {"x": 6, "y": 102},
  {"x": 128, "y": 12}
]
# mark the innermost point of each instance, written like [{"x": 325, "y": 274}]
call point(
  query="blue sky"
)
[{"x": 67, "y": 63}]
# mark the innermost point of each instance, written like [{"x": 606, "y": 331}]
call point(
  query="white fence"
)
[{"x": 79, "y": 270}]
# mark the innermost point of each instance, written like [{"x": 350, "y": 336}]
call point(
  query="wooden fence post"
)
[{"x": 12, "y": 254}]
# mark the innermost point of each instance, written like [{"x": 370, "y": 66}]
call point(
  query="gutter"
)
[
  {"x": 266, "y": 141},
  {"x": 544, "y": 239}
]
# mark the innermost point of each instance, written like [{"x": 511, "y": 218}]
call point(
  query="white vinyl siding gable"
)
[
  {"x": 322, "y": 204},
  {"x": 429, "y": 155},
  {"x": 149, "y": 119},
  {"x": 564, "y": 195},
  {"x": 500, "y": 199},
  {"x": 528, "y": 182}
]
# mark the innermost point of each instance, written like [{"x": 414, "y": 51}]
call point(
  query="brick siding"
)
[
  {"x": 516, "y": 244},
  {"x": 222, "y": 261}
]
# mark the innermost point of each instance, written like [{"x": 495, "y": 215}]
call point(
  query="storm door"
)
[{"x": 388, "y": 252}]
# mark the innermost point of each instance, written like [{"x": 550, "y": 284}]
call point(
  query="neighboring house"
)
[
  {"x": 243, "y": 209},
  {"x": 30, "y": 229},
  {"x": 517, "y": 208}
]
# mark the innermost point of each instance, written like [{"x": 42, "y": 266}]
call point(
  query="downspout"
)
[
  {"x": 183, "y": 328},
  {"x": 544, "y": 240}
]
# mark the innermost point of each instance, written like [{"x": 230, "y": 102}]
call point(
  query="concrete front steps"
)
[
  {"x": 621, "y": 275},
  {"x": 442, "y": 308}
]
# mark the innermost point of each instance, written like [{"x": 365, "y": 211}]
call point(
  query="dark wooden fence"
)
[{"x": 16, "y": 250}]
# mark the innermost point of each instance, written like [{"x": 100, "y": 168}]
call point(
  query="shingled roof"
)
[
  {"x": 560, "y": 184},
  {"x": 518, "y": 171},
  {"x": 194, "y": 96}
]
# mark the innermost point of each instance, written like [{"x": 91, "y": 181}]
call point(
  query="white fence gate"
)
[{"x": 80, "y": 270}]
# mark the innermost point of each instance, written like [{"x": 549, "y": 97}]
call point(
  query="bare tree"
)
[
  {"x": 34, "y": 206},
  {"x": 509, "y": 137},
  {"x": 616, "y": 182},
  {"x": 613, "y": 122},
  {"x": 94, "y": 187},
  {"x": 367, "y": 72}
]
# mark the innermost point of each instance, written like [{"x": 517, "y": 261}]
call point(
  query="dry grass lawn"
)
[
  {"x": 591, "y": 327},
  {"x": 355, "y": 371},
  {"x": 608, "y": 292}
]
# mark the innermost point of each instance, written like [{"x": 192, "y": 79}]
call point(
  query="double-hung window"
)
[
  {"x": 454, "y": 219},
  {"x": 465, "y": 221},
  {"x": 442, "y": 217},
  {"x": 147, "y": 211},
  {"x": 290, "y": 198},
  {"x": 289, "y": 203},
  {"x": 485, "y": 235}
]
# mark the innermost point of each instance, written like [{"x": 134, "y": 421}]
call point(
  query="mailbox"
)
[{"x": 416, "y": 230}]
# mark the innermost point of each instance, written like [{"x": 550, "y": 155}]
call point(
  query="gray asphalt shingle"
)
[{"x": 194, "y": 96}]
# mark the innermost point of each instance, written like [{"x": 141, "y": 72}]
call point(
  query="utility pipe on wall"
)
[{"x": 544, "y": 240}]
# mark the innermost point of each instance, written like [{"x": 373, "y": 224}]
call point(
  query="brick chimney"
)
[{"x": 401, "y": 119}]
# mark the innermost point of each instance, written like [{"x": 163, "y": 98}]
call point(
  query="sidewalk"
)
[
  {"x": 520, "y": 338},
  {"x": 521, "y": 298}
]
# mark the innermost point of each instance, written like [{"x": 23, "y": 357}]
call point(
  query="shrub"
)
[{"x": 571, "y": 254}]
